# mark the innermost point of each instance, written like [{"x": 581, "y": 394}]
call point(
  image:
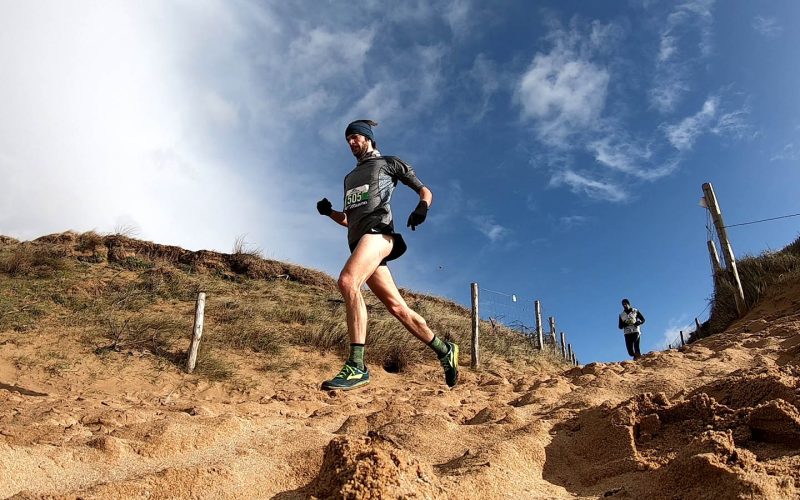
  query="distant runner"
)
[
  {"x": 373, "y": 242},
  {"x": 630, "y": 319}
]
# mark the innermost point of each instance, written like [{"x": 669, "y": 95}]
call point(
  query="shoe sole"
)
[{"x": 349, "y": 388}]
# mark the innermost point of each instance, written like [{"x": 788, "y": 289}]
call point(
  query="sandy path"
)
[{"x": 725, "y": 423}]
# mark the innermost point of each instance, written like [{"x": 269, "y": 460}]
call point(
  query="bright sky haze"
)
[{"x": 565, "y": 142}]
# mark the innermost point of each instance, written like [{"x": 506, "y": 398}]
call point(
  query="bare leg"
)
[
  {"x": 371, "y": 250},
  {"x": 383, "y": 286}
]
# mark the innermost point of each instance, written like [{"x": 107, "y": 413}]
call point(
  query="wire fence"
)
[
  {"x": 691, "y": 334},
  {"x": 509, "y": 311}
]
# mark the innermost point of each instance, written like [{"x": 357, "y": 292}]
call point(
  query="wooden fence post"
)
[
  {"x": 197, "y": 332},
  {"x": 563, "y": 346},
  {"x": 569, "y": 353},
  {"x": 553, "y": 333},
  {"x": 475, "y": 360},
  {"x": 727, "y": 250},
  {"x": 682, "y": 341},
  {"x": 714, "y": 256},
  {"x": 539, "y": 328}
]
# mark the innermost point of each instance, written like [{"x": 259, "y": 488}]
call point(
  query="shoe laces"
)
[{"x": 346, "y": 371}]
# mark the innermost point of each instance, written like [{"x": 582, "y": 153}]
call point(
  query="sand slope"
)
[{"x": 717, "y": 419}]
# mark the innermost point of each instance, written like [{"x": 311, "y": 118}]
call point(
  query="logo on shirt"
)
[{"x": 356, "y": 197}]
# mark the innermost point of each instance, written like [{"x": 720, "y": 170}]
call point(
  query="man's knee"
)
[{"x": 347, "y": 284}]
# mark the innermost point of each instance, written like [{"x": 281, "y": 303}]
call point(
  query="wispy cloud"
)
[
  {"x": 485, "y": 76},
  {"x": 710, "y": 119},
  {"x": 767, "y": 26},
  {"x": 570, "y": 221},
  {"x": 489, "y": 228},
  {"x": 458, "y": 16},
  {"x": 582, "y": 184},
  {"x": 619, "y": 152},
  {"x": 789, "y": 153},
  {"x": 685, "y": 39}
]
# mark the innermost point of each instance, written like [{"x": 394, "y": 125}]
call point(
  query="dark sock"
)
[
  {"x": 438, "y": 346},
  {"x": 357, "y": 355}
]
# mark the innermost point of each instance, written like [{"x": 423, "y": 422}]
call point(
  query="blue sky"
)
[{"x": 565, "y": 142}]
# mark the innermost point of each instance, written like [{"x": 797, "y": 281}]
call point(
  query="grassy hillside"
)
[
  {"x": 760, "y": 275},
  {"x": 125, "y": 295}
]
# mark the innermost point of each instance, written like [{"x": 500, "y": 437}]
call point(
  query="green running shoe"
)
[
  {"x": 350, "y": 377},
  {"x": 450, "y": 364}
]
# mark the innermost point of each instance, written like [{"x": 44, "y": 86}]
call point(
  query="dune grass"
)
[
  {"x": 127, "y": 295},
  {"x": 759, "y": 276}
]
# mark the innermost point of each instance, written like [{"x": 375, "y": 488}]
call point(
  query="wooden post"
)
[
  {"x": 553, "y": 333},
  {"x": 194, "y": 346},
  {"x": 475, "y": 360},
  {"x": 727, "y": 250},
  {"x": 539, "y": 328},
  {"x": 563, "y": 346},
  {"x": 697, "y": 322},
  {"x": 569, "y": 353},
  {"x": 683, "y": 343},
  {"x": 714, "y": 256}
]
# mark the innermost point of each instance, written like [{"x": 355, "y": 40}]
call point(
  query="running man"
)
[
  {"x": 373, "y": 242},
  {"x": 630, "y": 322}
]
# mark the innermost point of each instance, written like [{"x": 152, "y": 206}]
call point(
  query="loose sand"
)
[{"x": 717, "y": 419}]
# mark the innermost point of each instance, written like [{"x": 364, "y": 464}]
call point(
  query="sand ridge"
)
[{"x": 716, "y": 419}]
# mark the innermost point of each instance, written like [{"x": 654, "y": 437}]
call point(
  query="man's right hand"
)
[{"x": 324, "y": 207}]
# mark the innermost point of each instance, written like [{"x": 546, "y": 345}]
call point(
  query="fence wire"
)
[{"x": 509, "y": 311}]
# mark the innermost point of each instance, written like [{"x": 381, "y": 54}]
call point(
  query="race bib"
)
[{"x": 356, "y": 197}]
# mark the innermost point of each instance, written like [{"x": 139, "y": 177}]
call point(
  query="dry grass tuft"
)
[
  {"x": 34, "y": 260},
  {"x": 89, "y": 241},
  {"x": 211, "y": 366},
  {"x": 759, "y": 275}
]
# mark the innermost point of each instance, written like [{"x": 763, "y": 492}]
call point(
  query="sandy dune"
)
[{"x": 717, "y": 419}]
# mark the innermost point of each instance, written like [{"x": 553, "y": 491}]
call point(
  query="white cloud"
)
[
  {"x": 672, "y": 333},
  {"x": 330, "y": 54},
  {"x": 683, "y": 135},
  {"x": 183, "y": 118},
  {"x": 687, "y": 31},
  {"x": 581, "y": 184},
  {"x": 487, "y": 225},
  {"x": 97, "y": 129},
  {"x": 620, "y": 153},
  {"x": 767, "y": 26},
  {"x": 710, "y": 119},
  {"x": 562, "y": 93}
]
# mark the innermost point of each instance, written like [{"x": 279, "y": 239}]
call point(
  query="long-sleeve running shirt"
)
[{"x": 368, "y": 190}]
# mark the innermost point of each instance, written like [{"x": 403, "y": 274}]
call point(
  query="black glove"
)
[
  {"x": 417, "y": 217},
  {"x": 324, "y": 207}
]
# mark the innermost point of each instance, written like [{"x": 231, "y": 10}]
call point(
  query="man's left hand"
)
[{"x": 417, "y": 217}]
